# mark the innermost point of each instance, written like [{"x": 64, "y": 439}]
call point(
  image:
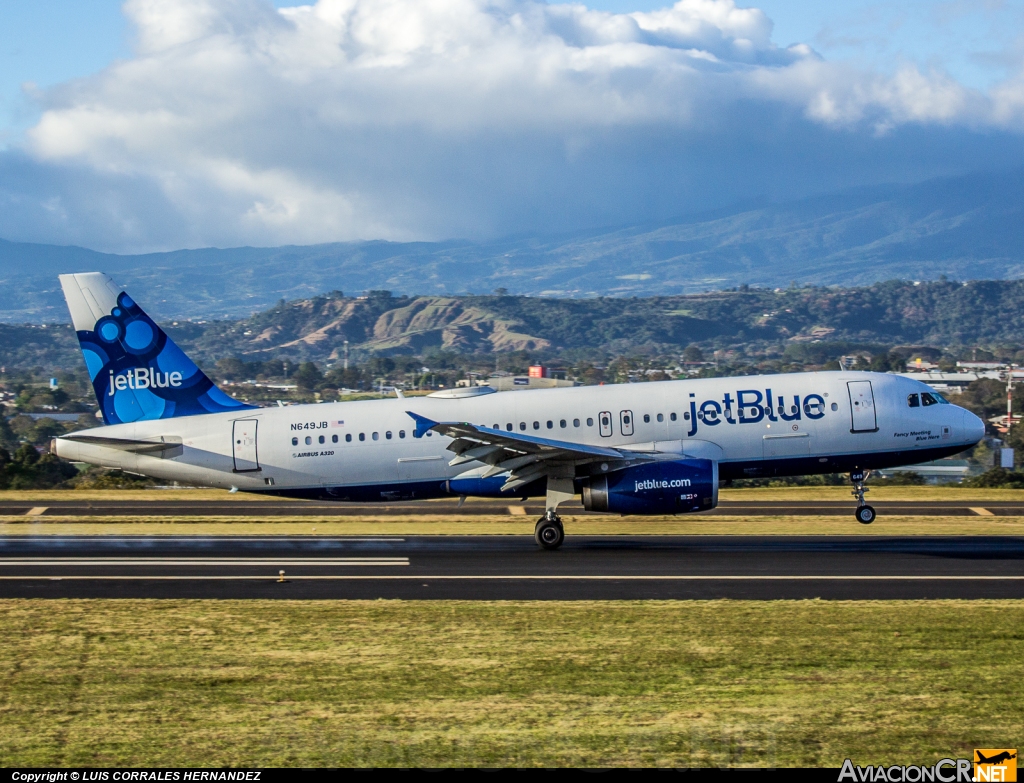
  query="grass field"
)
[
  {"x": 340, "y": 683},
  {"x": 509, "y": 525}
]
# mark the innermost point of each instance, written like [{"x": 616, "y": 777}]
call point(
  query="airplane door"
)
[
  {"x": 243, "y": 442},
  {"x": 626, "y": 422},
  {"x": 604, "y": 419},
  {"x": 862, "y": 407}
]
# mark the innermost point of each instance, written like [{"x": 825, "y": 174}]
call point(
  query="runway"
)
[
  {"x": 512, "y": 567},
  {"x": 289, "y": 508}
]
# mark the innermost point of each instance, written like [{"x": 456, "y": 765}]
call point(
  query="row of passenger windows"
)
[
  {"x": 927, "y": 398},
  {"x": 912, "y": 401},
  {"x": 348, "y": 437},
  {"x": 563, "y": 423}
]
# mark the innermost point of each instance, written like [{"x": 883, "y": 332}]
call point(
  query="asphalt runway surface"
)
[
  {"x": 513, "y": 567},
  {"x": 535, "y": 507}
]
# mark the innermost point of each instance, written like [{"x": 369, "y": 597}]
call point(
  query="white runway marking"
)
[
  {"x": 204, "y": 561},
  {"x": 513, "y": 577}
]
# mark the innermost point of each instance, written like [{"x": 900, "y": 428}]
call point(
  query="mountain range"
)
[
  {"x": 969, "y": 227},
  {"x": 800, "y": 320}
]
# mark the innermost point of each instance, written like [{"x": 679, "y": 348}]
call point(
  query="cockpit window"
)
[
  {"x": 913, "y": 401},
  {"x": 927, "y": 399},
  {"x": 940, "y": 398}
]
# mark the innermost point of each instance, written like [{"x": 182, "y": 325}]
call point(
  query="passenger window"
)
[
  {"x": 575, "y": 422},
  {"x": 672, "y": 416},
  {"x": 686, "y": 416},
  {"x": 561, "y": 423},
  {"x": 362, "y": 436},
  {"x": 647, "y": 418},
  {"x": 927, "y": 399},
  {"x": 551, "y": 424},
  {"x": 295, "y": 441},
  {"x": 401, "y": 433},
  {"x": 376, "y": 436},
  {"x": 590, "y": 422},
  {"x": 387, "y": 435},
  {"x": 348, "y": 438},
  {"x": 522, "y": 426},
  {"x": 661, "y": 417},
  {"x": 334, "y": 438},
  {"x": 913, "y": 401},
  {"x": 309, "y": 440},
  {"x": 322, "y": 439},
  {"x": 495, "y": 426},
  {"x": 508, "y": 427},
  {"x": 835, "y": 406},
  {"x": 536, "y": 425}
]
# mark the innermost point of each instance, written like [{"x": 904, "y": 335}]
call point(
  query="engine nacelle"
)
[{"x": 663, "y": 487}]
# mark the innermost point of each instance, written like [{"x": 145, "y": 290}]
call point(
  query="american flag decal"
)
[{"x": 337, "y": 424}]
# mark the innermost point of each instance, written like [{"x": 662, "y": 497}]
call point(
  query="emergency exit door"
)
[
  {"x": 862, "y": 407},
  {"x": 243, "y": 442}
]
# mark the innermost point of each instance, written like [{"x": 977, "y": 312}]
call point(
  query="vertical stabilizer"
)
[{"x": 137, "y": 371}]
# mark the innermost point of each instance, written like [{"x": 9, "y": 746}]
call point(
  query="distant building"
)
[
  {"x": 523, "y": 382},
  {"x": 950, "y": 382},
  {"x": 940, "y": 471}
]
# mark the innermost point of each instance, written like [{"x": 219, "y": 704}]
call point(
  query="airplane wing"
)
[{"x": 526, "y": 457}]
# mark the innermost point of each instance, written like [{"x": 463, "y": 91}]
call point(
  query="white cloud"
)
[{"x": 429, "y": 118}]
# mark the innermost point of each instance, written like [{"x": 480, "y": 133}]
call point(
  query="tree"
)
[
  {"x": 693, "y": 353},
  {"x": 308, "y": 376}
]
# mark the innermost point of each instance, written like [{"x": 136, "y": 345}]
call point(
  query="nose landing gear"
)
[
  {"x": 865, "y": 514},
  {"x": 549, "y": 533}
]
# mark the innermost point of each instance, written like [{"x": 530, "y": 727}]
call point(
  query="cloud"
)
[{"x": 402, "y": 119}]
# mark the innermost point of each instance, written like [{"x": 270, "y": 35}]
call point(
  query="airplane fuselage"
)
[{"x": 753, "y": 426}]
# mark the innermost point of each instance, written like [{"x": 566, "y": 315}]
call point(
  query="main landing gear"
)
[
  {"x": 549, "y": 533},
  {"x": 865, "y": 514}
]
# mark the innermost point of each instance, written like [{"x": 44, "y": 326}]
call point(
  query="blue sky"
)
[{"x": 909, "y": 90}]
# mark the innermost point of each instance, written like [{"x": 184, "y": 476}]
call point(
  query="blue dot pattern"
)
[{"x": 139, "y": 374}]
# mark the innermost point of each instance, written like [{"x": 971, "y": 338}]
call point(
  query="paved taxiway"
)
[
  {"x": 275, "y": 508},
  {"x": 512, "y": 567}
]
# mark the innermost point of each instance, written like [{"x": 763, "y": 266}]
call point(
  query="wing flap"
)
[{"x": 525, "y": 457}]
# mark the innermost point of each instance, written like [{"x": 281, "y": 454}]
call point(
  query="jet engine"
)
[{"x": 661, "y": 487}]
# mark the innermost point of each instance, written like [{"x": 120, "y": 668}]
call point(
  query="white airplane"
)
[{"x": 650, "y": 448}]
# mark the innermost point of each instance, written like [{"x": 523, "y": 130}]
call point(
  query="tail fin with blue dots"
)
[{"x": 137, "y": 371}]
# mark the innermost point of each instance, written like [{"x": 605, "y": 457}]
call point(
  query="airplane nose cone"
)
[{"x": 973, "y": 427}]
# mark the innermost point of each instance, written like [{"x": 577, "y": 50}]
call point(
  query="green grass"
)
[{"x": 341, "y": 683}]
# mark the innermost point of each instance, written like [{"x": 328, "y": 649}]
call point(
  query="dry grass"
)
[
  {"x": 337, "y": 683},
  {"x": 509, "y": 525}
]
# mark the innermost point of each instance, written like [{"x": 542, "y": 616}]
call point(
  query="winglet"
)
[{"x": 423, "y": 424}]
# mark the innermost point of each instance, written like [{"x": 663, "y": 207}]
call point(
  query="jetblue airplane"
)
[{"x": 650, "y": 448}]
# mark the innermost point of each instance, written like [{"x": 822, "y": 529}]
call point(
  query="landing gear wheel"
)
[
  {"x": 549, "y": 533},
  {"x": 864, "y": 513}
]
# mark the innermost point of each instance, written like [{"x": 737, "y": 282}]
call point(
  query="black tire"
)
[
  {"x": 865, "y": 515},
  {"x": 548, "y": 534}
]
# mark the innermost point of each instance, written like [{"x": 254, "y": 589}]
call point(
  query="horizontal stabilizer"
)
[{"x": 133, "y": 446}]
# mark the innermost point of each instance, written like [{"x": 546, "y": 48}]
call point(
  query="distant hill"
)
[
  {"x": 968, "y": 228},
  {"x": 940, "y": 314}
]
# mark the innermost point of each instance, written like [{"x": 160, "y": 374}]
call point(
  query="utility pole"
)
[
  {"x": 346, "y": 354},
  {"x": 1009, "y": 402}
]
